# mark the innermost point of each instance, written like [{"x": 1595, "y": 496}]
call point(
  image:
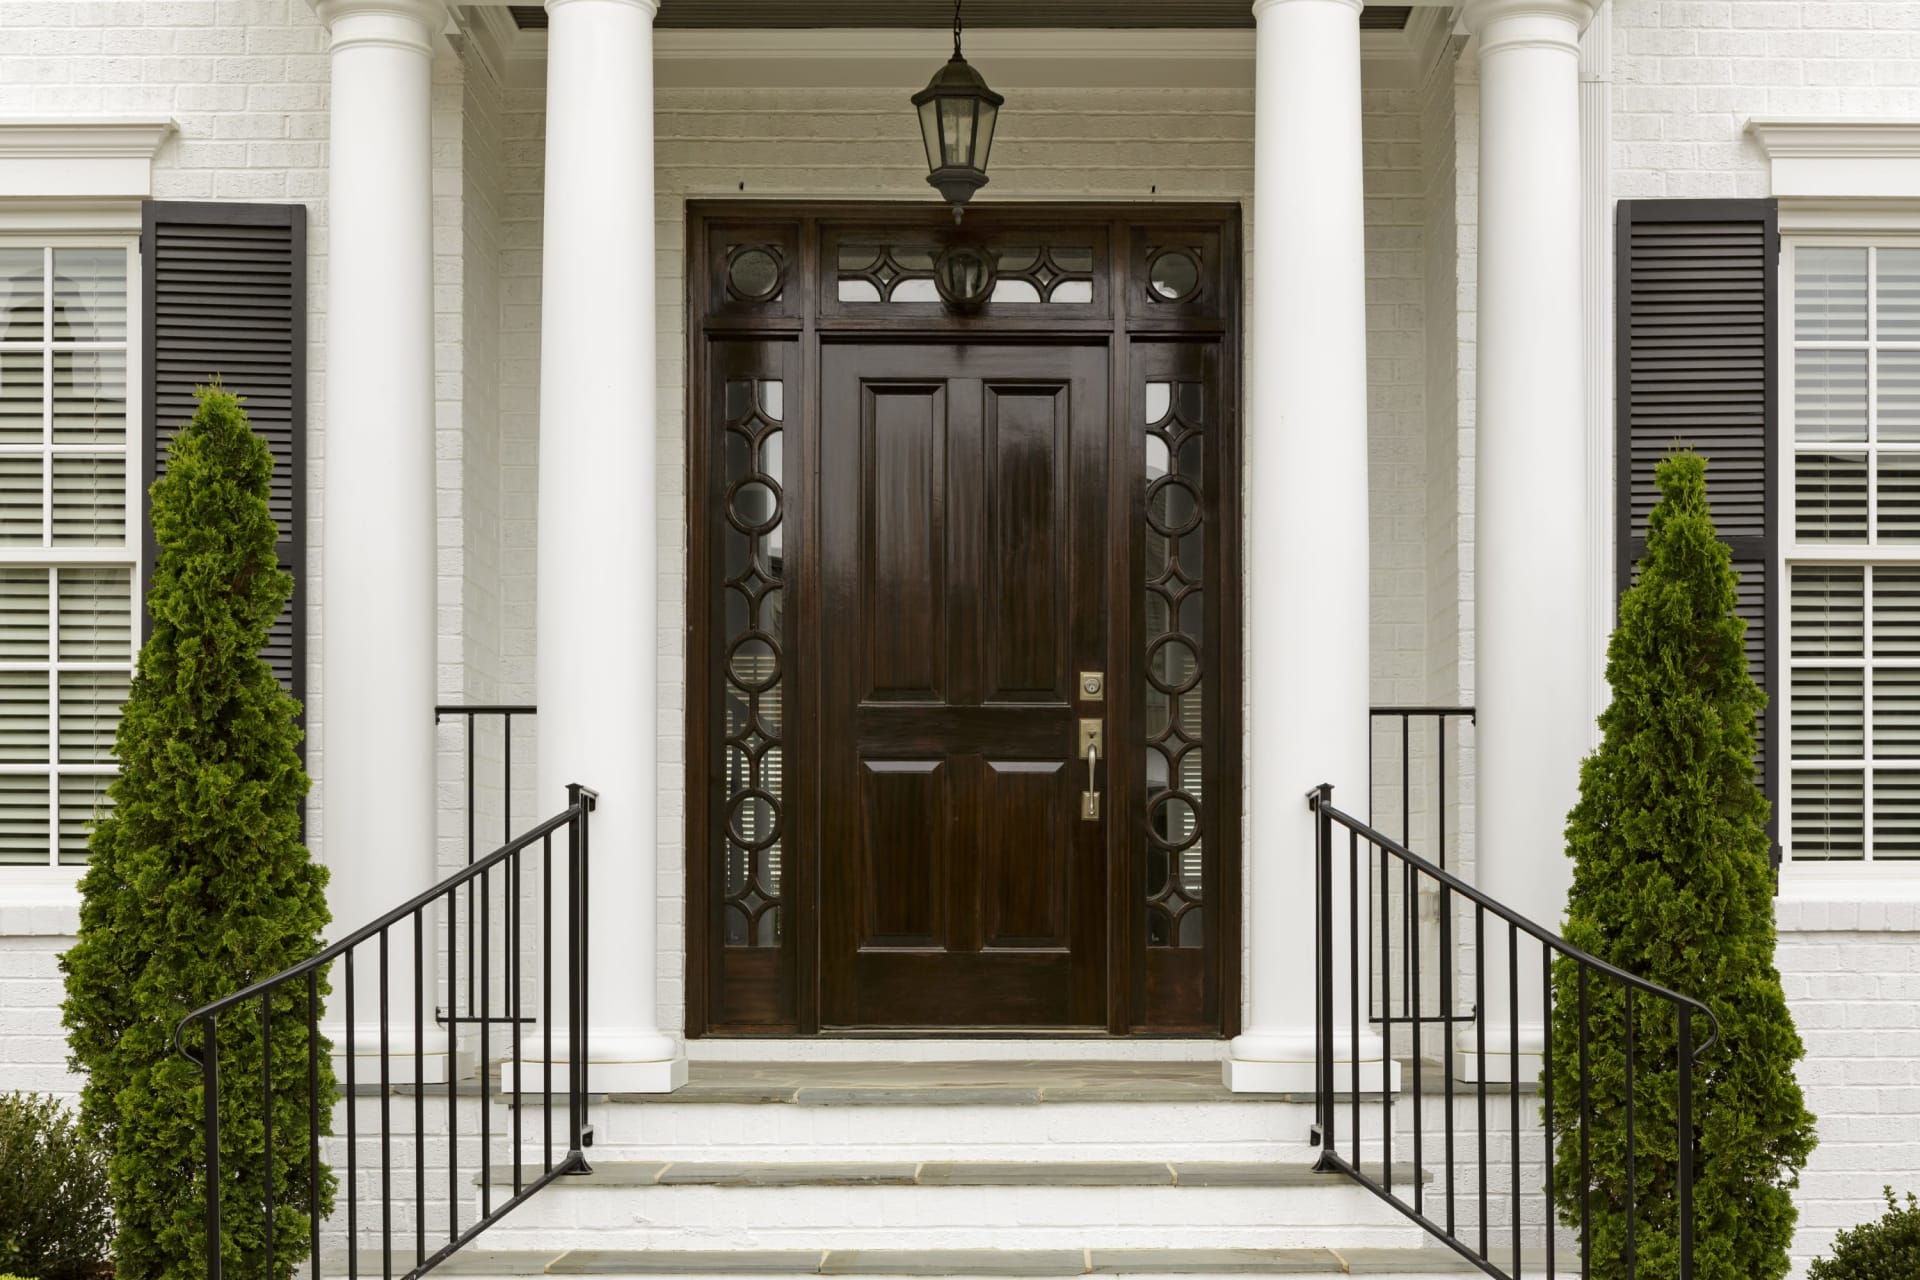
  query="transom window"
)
[
  {"x": 67, "y": 560},
  {"x": 1852, "y": 546}
]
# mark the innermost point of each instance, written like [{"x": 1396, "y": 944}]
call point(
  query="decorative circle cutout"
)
[
  {"x": 753, "y": 663},
  {"x": 1173, "y": 275},
  {"x": 754, "y": 505},
  {"x": 1172, "y": 506},
  {"x": 753, "y": 822},
  {"x": 1174, "y": 822},
  {"x": 1172, "y": 665},
  {"x": 754, "y": 274}
]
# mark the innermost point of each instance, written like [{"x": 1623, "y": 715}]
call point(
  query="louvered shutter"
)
[
  {"x": 1696, "y": 356},
  {"x": 226, "y": 297}
]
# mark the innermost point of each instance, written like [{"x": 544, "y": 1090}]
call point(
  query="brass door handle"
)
[{"x": 1091, "y": 735}]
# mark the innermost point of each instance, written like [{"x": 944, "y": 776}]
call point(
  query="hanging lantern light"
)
[{"x": 957, "y": 116}]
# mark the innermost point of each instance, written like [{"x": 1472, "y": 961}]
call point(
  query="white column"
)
[
  {"x": 598, "y": 561},
  {"x": 1307, "y": 587},
  {"x": 378, "y": 573},
  {"x": 1531, "y": 561}
]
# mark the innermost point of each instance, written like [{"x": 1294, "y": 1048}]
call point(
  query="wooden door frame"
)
[{"x": 797, "y": 326}]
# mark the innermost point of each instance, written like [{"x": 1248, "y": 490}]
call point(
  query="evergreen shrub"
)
[
  {"x": 1672, "y": 881},
  {"x": 1885, "y": 1249},
  {"x": 55, "y": 1222},
  {"x": 198, "y": 884}
]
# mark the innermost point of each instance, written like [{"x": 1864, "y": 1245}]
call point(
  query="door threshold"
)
[{"x": 845, "y": 1047}]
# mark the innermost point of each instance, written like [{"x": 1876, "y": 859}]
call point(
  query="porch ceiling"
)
[{"x": 1110, "y": 14}]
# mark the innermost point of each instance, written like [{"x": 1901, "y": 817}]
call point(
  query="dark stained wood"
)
[
  {"x": 951, "y": 829},
  {"x": 954, "y": 558}
]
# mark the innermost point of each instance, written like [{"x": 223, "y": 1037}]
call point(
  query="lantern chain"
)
[{"x": 956, "y": 28}]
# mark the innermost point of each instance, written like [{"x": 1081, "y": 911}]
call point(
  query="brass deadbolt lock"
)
[{"x": 1093, "y": 684}]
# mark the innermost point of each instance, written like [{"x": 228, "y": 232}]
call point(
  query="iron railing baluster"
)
[{"x": 1364, "y": 842}]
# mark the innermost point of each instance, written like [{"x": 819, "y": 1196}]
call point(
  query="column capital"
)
[
  {"x": 398, "y": 24},
  {"x": 650, "y": 7},
  {"x": 1263, "y": 7},
  {"x": 1536, "y": 24}
]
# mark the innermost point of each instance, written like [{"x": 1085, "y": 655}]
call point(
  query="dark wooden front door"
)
[
  {"x": 963, "y": 564},
  {"x": 913, "y": 532}
]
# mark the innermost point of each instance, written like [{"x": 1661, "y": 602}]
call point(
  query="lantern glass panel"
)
[
  {"x": 930, "y": 131},
  {"x": 956, "y": 130},
  {"x": 983, "y": 131}
]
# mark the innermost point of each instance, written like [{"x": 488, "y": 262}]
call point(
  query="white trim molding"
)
[
  {"x": 81, "y": 158},
  {"x": 1827, "y": 158}
]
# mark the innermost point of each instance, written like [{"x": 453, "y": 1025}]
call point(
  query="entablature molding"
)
[
  {"x": 90, "y": 158},
  {"x": 1830, "y": 158}
]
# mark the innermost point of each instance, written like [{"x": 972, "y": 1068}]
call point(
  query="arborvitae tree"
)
[
  {"x": 199, "y": 884},
  {"x": 1672, "y": 882}
]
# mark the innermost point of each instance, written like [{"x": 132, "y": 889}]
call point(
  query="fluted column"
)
[
  {"x": 1531, "y": 564},
  {"x": 1307, "y": 511},
  {"x": 598, "y": 560},
  {"x": 378, "y": 682}
]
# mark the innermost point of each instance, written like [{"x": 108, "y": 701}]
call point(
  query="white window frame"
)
[
  {"x": 1823, "y": 874},
  {"x": 129, "y": 554}
]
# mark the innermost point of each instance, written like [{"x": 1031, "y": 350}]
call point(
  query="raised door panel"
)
[
  {"x": 904, "y": 810},
  {"x": 903, "y": 498},
  {"x": 1028, "y": 586},
  {"x": 1026, "y": 853}
]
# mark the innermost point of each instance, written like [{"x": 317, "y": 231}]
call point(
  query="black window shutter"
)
[
  {"x": 1696, "y": 361},
  {"x": 225, "y": 289}
]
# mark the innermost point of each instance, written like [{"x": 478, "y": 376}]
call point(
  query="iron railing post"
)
[
  {"x": 1685, "y": 1175},
  {"x": 1323, "y": 1108},
  {"x": 210, "y": 1103},
  {"x": 576, "y": 994}
]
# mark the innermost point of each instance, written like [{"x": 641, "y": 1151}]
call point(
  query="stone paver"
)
[
  {"x": 1048, "y": 1173},
  {"x": 687, "y": 1262},
  {"x": 1012, "y": 1083},
  {"x": 955, "y": 1262},
  {"x": 865, "y": 1173},
  {"x": 1215, "y": 1262}
]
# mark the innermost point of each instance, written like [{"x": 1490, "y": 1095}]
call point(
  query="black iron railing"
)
[
  {"x": 384, "y": 1224},
  {"x": 472, "y": 1009},
  {"x": 1493, "y": 1198}
]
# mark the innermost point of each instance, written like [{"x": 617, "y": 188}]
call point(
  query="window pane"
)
[
  {"x": 1828, "y": 809},
  {"x": 1830, "y": 497},
  {"x": 1896, "y": 713},
  {"x": 23, "y": 820},
  {"x": 1896, "y": 813},
  {"x": 22, "y": 397},
  {"x": 23, "y": 315},
  {"x": 1829, "y": 712},
  {"x": 23, "y": 615},
  {"x": 1899, "y": 497},
  {"x": 89, "y": 397},
  {"x": 1828, "y": 611},
  {"x": 89, "y": 501},
  {"x": 83, "y": 799},
  {"x": 90, "y": 295},
  {"x": 1829, "y": 294},
  {"x": 1830, "y": 395},
  {"x": 90, "y": 703},
  {"x": 22, "y": 499},
  {"x": 1898, "y": 304},
  {"x": 96, "y": 615},
  {"x": 1896, "y": 612},
  {"x": 23, "y": 717}
]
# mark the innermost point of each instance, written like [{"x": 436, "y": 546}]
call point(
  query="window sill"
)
[
  {"x": 39, "y": 902},
  {"x": 1826, "y": 900}
]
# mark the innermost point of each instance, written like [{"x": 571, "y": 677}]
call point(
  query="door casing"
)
[{"x": 776, "y": 991}]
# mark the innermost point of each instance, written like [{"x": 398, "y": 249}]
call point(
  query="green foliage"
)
[
  {"x": 199, "y": 885},
  {"x": 1672, "y": 882},
  {"x": 1886, "y": 1249},
  {"x": 55, "y": 1222}
]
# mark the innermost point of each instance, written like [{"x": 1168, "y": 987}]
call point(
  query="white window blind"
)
[
  {"x": 1852, "y": 416},
  {"x": 67, "y": 556}
]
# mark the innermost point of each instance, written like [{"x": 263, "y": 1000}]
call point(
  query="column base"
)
[
  {"x": 1499, "y": 1065},
  {"x": 615, "y": 1064},
  {"x": 436, "y": 1064},
  {"x": 1288, "y": 1064}
]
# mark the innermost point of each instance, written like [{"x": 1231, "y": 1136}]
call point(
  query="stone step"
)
[
  {"x": 1422, "y": 1262},
  {"x": 943, "y": 1173}
]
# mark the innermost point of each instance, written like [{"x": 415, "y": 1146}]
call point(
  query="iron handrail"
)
[
  {"x": 1360, "y": 917},
  {"x": 529, "y": 1174}
]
